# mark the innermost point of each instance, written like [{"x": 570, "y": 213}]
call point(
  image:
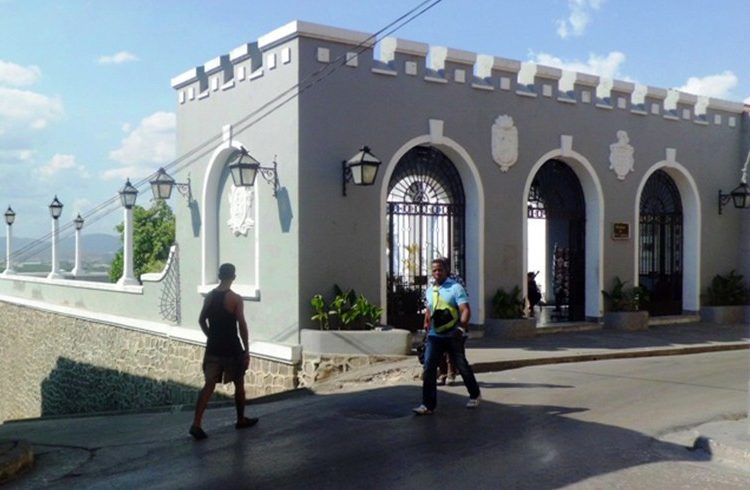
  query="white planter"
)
[
  {"x": 388, "y": 342},
  {"x": 516, "y": 328},
  {"x": 626, "y": 320},
  {"x": 724, "y": 314}
]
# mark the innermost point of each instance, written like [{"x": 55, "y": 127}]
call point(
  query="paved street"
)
[{"x": 602, "y": 424}]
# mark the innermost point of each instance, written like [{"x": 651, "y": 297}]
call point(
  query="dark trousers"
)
[{"x": 434, "y": 350}]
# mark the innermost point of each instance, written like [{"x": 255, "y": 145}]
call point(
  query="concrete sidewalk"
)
[{"x": 487, "y": 355}]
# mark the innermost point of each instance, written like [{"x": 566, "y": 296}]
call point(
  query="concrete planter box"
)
[
  {"x": 390, "y": 342},
  {"x": 626, "y": 320},
  {"x": 724, "y": 314},
  {"x": 506, "y": 328}
]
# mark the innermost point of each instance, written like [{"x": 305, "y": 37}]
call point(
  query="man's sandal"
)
[{"x": 197, "y": 433}]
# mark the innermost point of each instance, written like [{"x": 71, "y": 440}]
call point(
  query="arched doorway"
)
[
  {"x": 660, "y": 246},
  {"x": 556, "y": 212},
  {"x": 425, "y": 220}
]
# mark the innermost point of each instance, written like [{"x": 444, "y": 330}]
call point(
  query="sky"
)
[{"x": 86, "y": 101}]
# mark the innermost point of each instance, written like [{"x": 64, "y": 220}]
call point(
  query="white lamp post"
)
[
  {"x": 55, "y": 210},
  {"x": 128, "y": 194},
  {"x": 77, "y": 268},
  {"x": 10, "y": 217}
]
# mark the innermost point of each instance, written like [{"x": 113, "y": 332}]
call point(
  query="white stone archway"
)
[
  {"x": 211, "y": 201},
  {"x": 474, "y": 195},
  {"x": 594, "y": 197},
  {"x": 691, "y": 228}
]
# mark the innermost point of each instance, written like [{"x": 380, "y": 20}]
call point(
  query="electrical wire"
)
[{"x": 187, "y": 159}]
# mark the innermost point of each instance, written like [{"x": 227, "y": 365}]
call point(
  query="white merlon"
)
[
  {"x": 299, "y": 28},
  {"x": 586, "y": 80},
  {"x": 486, "y": 63},
  {"x": 726, "y": 105},
  {"x": 389, "y": 46},
  {"x": 685, "y": 98},
  {"x": 215, "y": 65},
  {"x": 241, "y": 53},
  {"x": 548, "y": 72},
  {"x": 439, "y": 55},
  {"x": 656, "y": 93},
  {"x": 622, "y": 86},
  {"x": 188, "y": 77}
]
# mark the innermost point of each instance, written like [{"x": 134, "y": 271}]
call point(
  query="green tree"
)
[{"x": 153, "y": 235}]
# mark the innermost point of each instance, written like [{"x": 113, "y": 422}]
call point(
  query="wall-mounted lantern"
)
[
  {"x": 245, "y": 172},
  {"x": 361, "y": 169},
  {"x": 740, "y": 195},
  {"x": 163, "y": 183}
]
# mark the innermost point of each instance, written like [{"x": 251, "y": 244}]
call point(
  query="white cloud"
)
[
  {"x": 17, "y": 75},
  {"x": 149, "y": 145},
  {"x": 59, "y": 163},
  {"x": 719, "y": 85},
  {"x": 604, "y": 66},
  {"x": 27, "y": 109},
  {"x": 746, "y": 101},
  {"x": 117, "y": 58},
  {"x": 578, "y": 18}
]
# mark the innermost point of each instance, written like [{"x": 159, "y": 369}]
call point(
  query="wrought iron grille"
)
[
  {"x": 426, "y": 207},
  {"x": 660, "y": 257}
]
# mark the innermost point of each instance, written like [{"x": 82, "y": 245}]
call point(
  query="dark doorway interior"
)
[
  {"x": 556, "y": 196},
  {"x": 660, "y": 247}
]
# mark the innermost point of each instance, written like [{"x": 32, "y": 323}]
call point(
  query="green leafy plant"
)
[
  {"x": 622, "y": 298},
  {"x": 727, "y": 290},
  {"x": 153, "y": 235},
  {"x": 346, "y": 311},
  {"x": 507, "y": 305}
]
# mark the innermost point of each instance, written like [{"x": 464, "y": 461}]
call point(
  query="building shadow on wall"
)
[{"x": 78, "y": 388}]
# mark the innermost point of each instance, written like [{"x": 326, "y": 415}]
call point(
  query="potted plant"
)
[
  {"x": 350, "y": 325},
  {"x": 725, "y": 299},
  {"x": 625, "y": 307},
  {"x": 507, "y": 316}
]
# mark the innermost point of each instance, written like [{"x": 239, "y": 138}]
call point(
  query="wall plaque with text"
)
[{"x": 621, "y": 231}]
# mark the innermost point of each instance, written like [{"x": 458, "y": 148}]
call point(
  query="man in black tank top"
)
[{"x": 227, "y": 358}]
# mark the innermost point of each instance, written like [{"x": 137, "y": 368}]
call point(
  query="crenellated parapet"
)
[{"x": 482, "y": 73}]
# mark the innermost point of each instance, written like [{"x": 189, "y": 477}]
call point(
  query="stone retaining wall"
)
[{"x": 52, "y": 364}]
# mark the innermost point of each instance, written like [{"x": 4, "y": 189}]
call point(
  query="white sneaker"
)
[
  {"x": 421, "y": 410},
  {"x": 473, "y": 402}
]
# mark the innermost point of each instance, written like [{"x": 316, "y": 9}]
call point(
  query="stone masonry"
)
[{"x": 54, "y": 364}]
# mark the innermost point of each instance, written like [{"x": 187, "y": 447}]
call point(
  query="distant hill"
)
[{"x": 95, "y": 247}]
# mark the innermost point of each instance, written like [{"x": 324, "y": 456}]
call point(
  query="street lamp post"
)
[
  {"x": 128, "y": 195},
  {"x": 77, "y": 268},
  {"x": 10, "y": 217},
  {"x": 55, "y": 210}
]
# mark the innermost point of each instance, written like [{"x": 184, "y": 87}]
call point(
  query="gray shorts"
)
[{"x": 223, "y": 369}]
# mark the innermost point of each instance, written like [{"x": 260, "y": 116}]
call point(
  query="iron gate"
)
[
  {"x": 660, "y": 256},
  {"x": 425, "y": 220}
]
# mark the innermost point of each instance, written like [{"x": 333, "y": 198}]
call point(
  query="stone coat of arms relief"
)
[
  {"x": 504, "y": 142},
  {"x": 621, "y": 156},
  {"x": 240, "y": 210}
]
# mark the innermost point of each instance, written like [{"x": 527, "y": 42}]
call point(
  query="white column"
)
[
  {"x": 8, "y": 246},
  {"x": 77, "y": 269},
  {"x": 55, "y": 272},
  {"x": 128, "y": 276}
]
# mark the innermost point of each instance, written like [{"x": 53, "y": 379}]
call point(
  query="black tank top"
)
[{"x": 223, "y": 337}]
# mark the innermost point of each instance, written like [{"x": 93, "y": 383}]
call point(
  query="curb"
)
[
  {"x": 15, "y": 458},
  {"x": 490, "y": 366}
]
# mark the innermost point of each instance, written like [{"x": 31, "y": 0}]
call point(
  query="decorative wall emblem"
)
[
  {"x": 240, "y": 210},
  {"x": 504, "y": 142},
  {"x": 621, "y": 158}
]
